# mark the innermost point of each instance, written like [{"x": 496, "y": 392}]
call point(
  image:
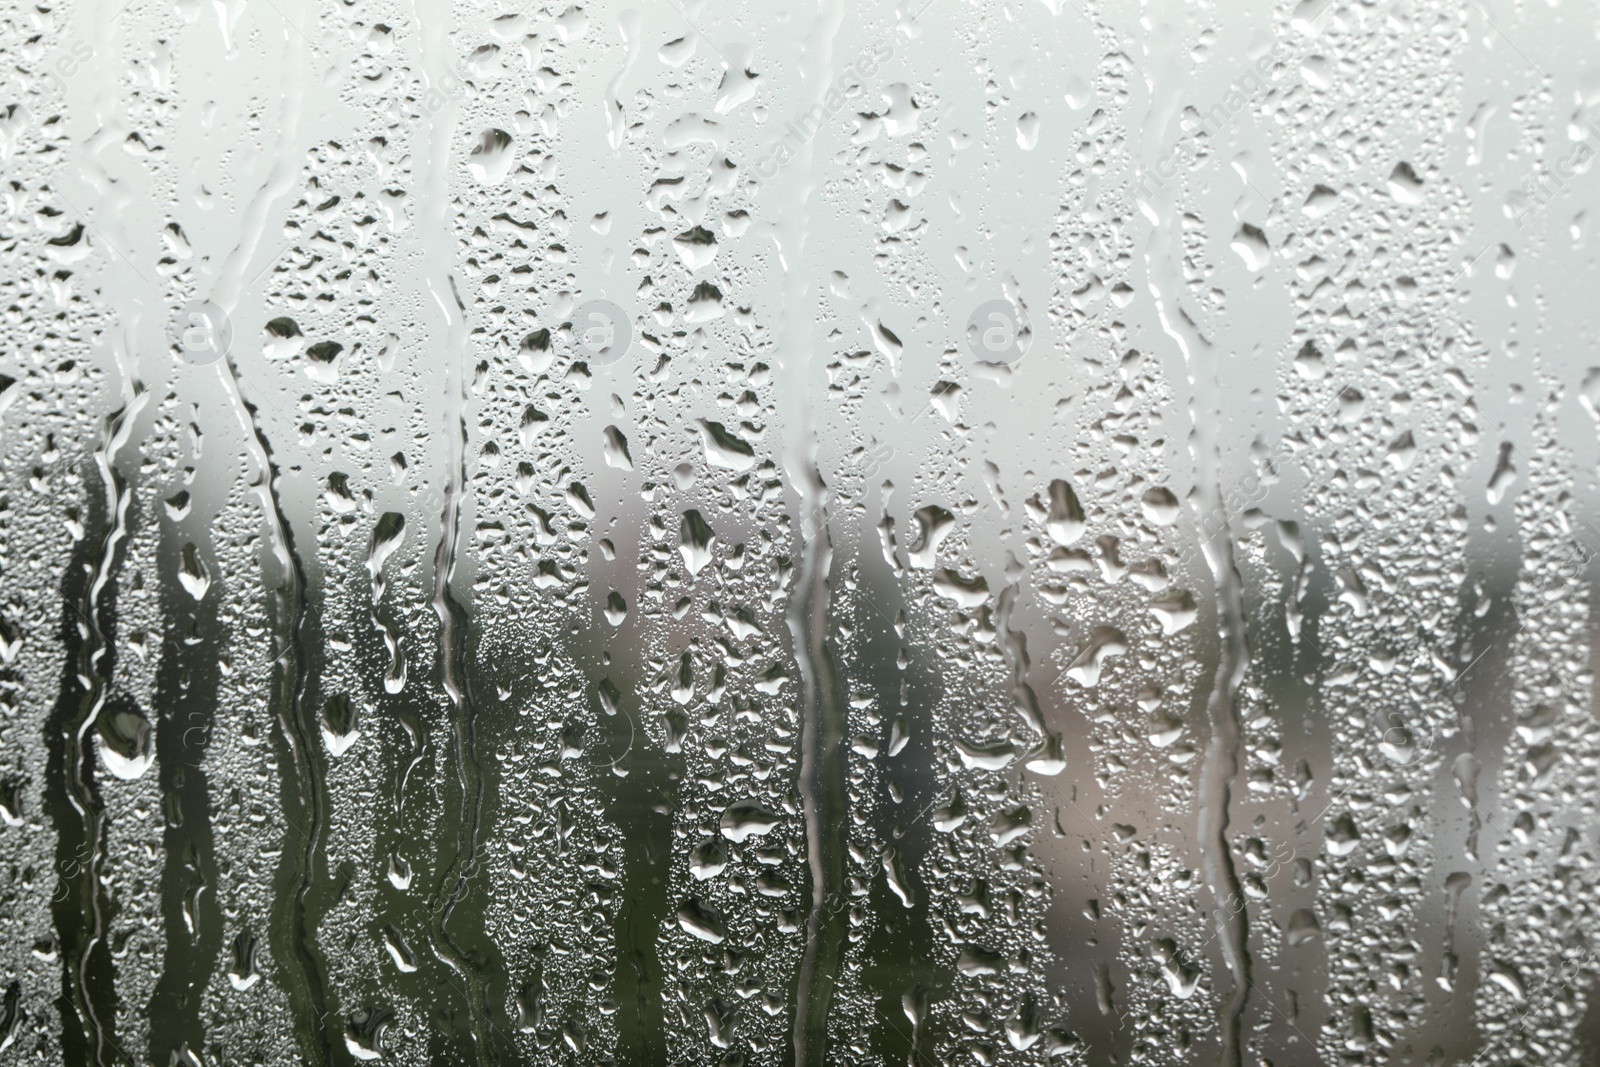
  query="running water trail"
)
[
  {"x": 454, "y": 626},
  {"x": 294, "y": 920},
  {"x": 822, "y": 718},
  {"x": 616, "y": 121},
  {"x": 293, "y": 923},
  {"x": 84, "y": 872},
  {"x": 454, "y": 616},
  {"x": 1219, "y": 768},
  {"x": 1219, "y": 771}
]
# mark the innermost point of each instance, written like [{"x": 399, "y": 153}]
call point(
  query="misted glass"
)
[{"x": 917, "y": 532}]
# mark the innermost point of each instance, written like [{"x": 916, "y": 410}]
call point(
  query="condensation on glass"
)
[{"x": 725, "y": 533}]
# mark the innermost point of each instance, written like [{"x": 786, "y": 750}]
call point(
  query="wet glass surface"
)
[{"x": 729, "y": 533}]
